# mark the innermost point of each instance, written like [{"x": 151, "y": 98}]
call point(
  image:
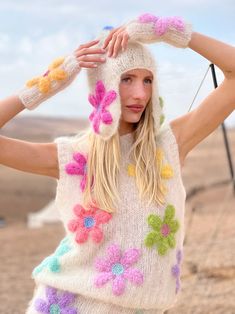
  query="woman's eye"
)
[
  {"x": 126, "y": 79},
  {"x": 148, "y": 81}
]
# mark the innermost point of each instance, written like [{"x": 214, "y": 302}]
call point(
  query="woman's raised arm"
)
[
  {"x": 41, "y": 158},
  {"x": 191, "y": 128}
]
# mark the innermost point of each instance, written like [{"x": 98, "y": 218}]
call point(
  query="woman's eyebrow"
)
[
  {"x": 133, "y": 75},
  {"x": 126, "y": 74}
]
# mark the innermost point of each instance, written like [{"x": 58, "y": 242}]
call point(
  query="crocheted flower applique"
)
[
  {"x": 88, "y": 222},
  {"x": 117, "y": 267},
  {"x": 52, "y": 262},
  {"x": 162, "y": 24},
  {"x": 101, "y": 100},
  {"x": 78, "y": 167},
  {"x": 163, "y": 234},
  {"x": 175, "y": 270},
  {"x": 166, "y": 170},
  {"x": 54, "y": 73},
  {"x": 56, "y": 303},
  {"x": 162, "y": 117}
]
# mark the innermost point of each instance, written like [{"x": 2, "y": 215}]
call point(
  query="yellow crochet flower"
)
[
  {"x": 166, "y": 170},
  {"x": 131, "y": 170},
  {"x": 54, "y": 73}
]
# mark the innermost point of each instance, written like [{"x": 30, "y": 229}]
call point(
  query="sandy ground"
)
[{"x": 208, "y": 273}]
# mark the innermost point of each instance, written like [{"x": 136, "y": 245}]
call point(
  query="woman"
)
[{"x": 120, "y": 192}]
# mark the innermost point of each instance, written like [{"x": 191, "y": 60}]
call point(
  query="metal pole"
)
[{"x": 224, "y": 132}]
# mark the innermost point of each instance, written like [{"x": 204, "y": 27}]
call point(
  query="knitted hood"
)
[{"x": 104, "y": 82}]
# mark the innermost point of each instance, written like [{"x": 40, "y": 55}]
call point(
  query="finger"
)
[
  {"x": 111, "y": 45},
  {"x": 109, "y": 37},
  {"x": 91, "y": 59},
  {"x": 84, "y": 64},
  {"x": 124, "y": 42},
  {"x": 88, "y": 51},
  {"x": 117, "y": 45},
  {"x": 89, "y": 44}
]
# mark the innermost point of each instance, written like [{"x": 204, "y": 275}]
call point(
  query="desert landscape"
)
[{"x": 208, "y": 272}]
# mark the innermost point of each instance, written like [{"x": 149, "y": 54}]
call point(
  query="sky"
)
[{"x": 34, "y": 33}]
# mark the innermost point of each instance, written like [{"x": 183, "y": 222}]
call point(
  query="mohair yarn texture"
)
[
  {"x": 128, "y": 258},
  {"x": 103, "y": 83}
]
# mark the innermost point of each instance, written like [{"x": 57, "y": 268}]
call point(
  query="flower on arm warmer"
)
[
  {"x": 59, "y": 75},
  {"x": 148, "y": 28}
]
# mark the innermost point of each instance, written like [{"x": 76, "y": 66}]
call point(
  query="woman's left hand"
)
[{"x": 116, "y": 41}]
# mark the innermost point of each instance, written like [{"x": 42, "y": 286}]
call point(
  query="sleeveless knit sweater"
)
[{"x": 132, "y": 257}]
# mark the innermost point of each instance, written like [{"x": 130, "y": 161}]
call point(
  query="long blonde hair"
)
[{"x": 103, "y": 165}]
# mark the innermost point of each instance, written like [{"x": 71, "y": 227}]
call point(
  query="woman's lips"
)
[{"x": 135, "y": 108}]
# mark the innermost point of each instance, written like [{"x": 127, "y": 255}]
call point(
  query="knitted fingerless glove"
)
[
  {"x": 149, "y": 28},
  {"x": 58, "y": 76}
]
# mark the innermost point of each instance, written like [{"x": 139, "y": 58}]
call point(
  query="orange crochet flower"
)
[{"x": 54, "y": 73}]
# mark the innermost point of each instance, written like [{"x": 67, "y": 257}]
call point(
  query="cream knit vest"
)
[{"x": 151, "y": 282}]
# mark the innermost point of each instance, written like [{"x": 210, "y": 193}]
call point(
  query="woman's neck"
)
[{"x": 125, "y": 128}]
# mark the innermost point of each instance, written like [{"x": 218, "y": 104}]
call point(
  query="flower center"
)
[
  {"x": 54, "y": 309},
  {"x": 117, "y": 269},
  {"x": 165, "y": 230},
  {"x": 89, "y": 222}
]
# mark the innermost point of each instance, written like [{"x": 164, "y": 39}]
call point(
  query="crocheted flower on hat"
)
[
  {"x": 101, "y": 100},
  {"x": 56, "y": 303},
  {"x": 162, "y": 24},
  {"x": 52, "y": 262},
  {"x": 175, "y": 270},
  {"x": 54, "y": 73},
  {"x": 88, "y": 222},
  {"x": 117, "y": 267},
  {"x": 163, "y": 234},
  {"x": 78, "y": 167}
]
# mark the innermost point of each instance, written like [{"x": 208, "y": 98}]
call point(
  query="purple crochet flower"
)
[
  {"x": 56, "y": 304},
  {"x": 117, "y": 267},
  {"x": 175, "y": 270},
  {"x": 162, "y": 24},
  {"x": 100, "y": 101},
  {"x": 79, "y": 167}
]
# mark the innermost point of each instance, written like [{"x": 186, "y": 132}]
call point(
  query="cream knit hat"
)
[{"x": 104, "y": 87}]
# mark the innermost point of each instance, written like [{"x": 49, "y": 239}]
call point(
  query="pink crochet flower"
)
[
  {"x": 88, "y": 221},
  {"x": 117, "y": 267},
  {"x": 100, "y": 101},
  {"x": 79, "y": 167},
  {"x": 162, "y": 24}
]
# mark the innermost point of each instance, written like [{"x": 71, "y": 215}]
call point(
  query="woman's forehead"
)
[{"x": 138, "y": 72}]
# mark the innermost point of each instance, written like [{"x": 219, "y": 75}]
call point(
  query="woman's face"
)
[{"x": 135, "y": 91}]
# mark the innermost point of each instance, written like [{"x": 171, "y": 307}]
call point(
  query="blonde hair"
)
[{"x": 103, "y": 165}]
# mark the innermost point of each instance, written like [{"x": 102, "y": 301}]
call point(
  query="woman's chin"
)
[{"x": 133, "y": 118}]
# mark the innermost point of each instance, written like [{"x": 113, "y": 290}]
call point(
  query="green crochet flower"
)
[
  {"x": 52, "y": 262},
  {"x": 163, "y": 234}
]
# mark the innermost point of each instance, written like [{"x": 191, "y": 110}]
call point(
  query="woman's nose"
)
[{"x": 139, "y": 91}]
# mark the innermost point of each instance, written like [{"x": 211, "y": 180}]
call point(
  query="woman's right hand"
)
[
  {"x": 60, "y": 74},
  {"x": 88, "y": 56}
]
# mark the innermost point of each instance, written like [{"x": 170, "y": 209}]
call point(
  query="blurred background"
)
[{"x": 32, "y": 35}]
